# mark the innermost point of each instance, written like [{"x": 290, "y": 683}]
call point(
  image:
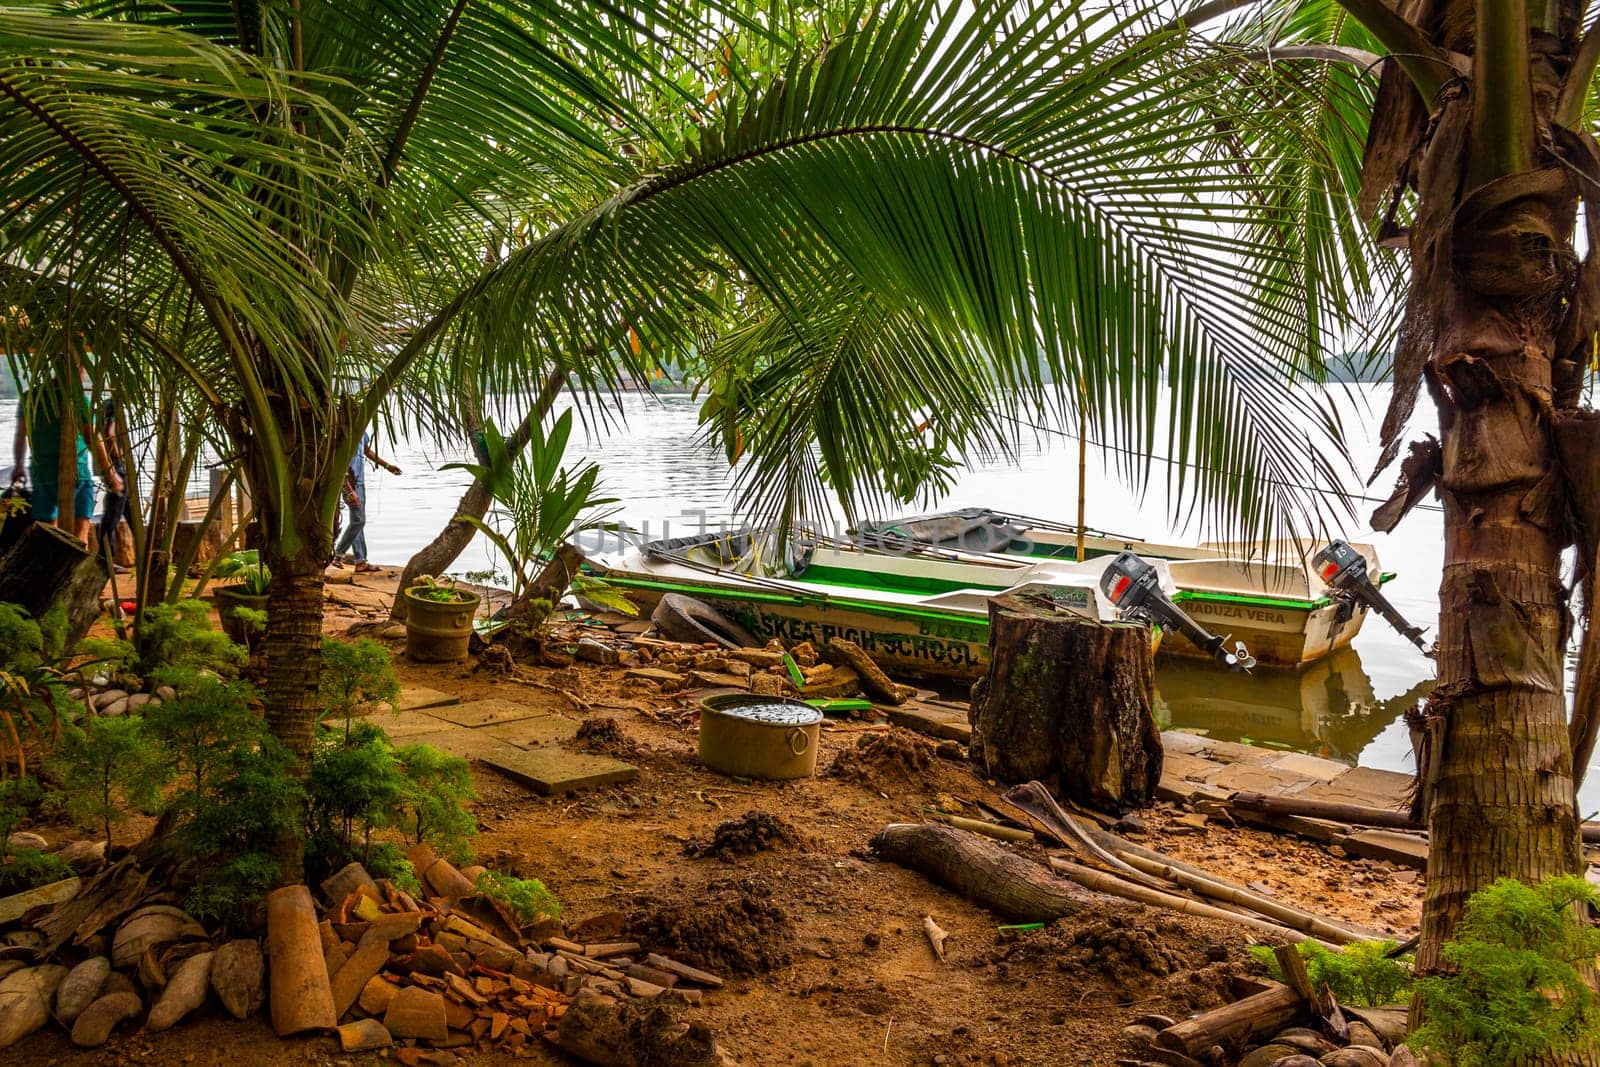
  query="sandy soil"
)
[{"x": 822, "y": 943}]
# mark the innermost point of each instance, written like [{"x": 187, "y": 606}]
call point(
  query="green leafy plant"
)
[
  {"x": 178, "y": 645},
  {"x": 250, "y": 801},
  {"x": 30, "y": 868},
  {"x": 19, "y": 797},
  {"x": 1363, "y": 974},
  {"x": 437, "y": 786},
  {"x": 1517, "y": 993},
  {"x": 355, "y": 676},
  {"x": 354, "y": 789},
  {"x": 440, "y": 590},
  {"x": 200, "y": 730},
  {"x": 527, "y": 898},
  {"x": 385, "y": 860},
  {"x": 33, "y": 698},
  {"x": 245, "y": 569},
  {"x": 107, "y": 766}
]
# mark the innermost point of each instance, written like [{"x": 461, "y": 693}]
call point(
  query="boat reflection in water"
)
[{"x": 1327, "y": 709}]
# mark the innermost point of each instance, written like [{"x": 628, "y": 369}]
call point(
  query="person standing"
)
[
  {"x": 114, "y": 508},
  {"x": 39, "y": 432},
  {"x": 354, "y": 540}
]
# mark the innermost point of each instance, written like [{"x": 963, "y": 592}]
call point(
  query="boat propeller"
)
[
  {"x": 1344, "y": 570},
  {"x": 1134, "y": 586}
]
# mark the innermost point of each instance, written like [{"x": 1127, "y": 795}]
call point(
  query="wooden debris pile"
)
[{"x": 435, "y": 977}]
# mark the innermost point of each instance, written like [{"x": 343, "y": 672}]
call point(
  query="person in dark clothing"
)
[{"x": 114, "y": 506}]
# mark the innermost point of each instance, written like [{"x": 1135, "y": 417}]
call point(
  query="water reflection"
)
[{"x": 1327, "y": 708}]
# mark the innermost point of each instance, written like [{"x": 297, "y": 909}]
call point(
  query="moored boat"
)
[
  {"x": 920, "y": 613},
  {"x": 1273, "y": 598}
]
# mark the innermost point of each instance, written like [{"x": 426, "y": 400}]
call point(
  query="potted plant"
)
[
  {"x": 248, "y": 579},
  {"x": 438, "y": 619}
]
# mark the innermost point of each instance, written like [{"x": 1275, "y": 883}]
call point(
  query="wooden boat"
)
[
  {"x": 1269, "y": 597},
  {"x": 922, "y": 613}
]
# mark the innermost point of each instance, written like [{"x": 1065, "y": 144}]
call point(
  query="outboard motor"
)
[
  {"x": 1134, "y": 586},
  {"x": 1344, "y": 570}
]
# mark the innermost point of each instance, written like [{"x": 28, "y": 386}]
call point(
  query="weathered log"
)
[
  {"x": 1264, "y": 1012},
  {"x": 82, "y": 598},
  {"x": 874, "y": 682},
  {"x": 39, "y": 567},
  {"x": 1359, "y": 814},
  {"x": 980, "y": 870},
  {"x": 1069, "y": 702}
]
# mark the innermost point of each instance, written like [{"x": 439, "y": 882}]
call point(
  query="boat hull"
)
[{"x": 1277, "y": 633}]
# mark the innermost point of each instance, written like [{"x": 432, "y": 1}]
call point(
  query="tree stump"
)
[
  {"x": 1069, "y": 702},
  {"x": 39, "y": 566}
]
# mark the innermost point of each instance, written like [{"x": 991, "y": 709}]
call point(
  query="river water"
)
[{"x": 1347, "y": 706}]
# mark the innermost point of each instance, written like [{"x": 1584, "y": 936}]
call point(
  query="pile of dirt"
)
[
  {"x": 1135, "y": 952},
  {"x": 754, "y": 831},
  {"x": 734, "y": 928},
  {"x": 879, "y": 760},
  {"x": 602, "y": 735}
]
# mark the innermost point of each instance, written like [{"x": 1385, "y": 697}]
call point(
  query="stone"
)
[
  {"x": 550, "y": 771},
  {"x": 151, "y": 926},
  {"x": 166, "y": 692},
  {"x": 25, "y": 840},
  {"x": 104, "y": 700},
  {"x": 80, "y": 988},
  {"x": 416, "y": 1012},
  {"x": 93, "y": 1028},
  {"x": 1267, "y": 1055},
  {"x": 185, "y": 991},
  {"x": 529, "y": 733},
  {"x": 1356, "y": 1056},
  {"x": 363, "y": 1035},
  {"x": 139, "y": 700},
  {"x": 82, "y": 855},
  {"x": 666, "y": 681},
  {"x": 1139, "y": 1036},
  {"x": 238, "y": 975},
  {"x": 418, "y": 697},
  {"x": 115, "y": 709}
]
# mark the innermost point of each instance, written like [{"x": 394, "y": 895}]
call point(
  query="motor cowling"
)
[
  {"x": 1344, "y": 570},
  {"x": 1134, "y": 585}
]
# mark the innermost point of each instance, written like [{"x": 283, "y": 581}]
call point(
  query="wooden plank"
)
[{"x": 943, "y": 723}]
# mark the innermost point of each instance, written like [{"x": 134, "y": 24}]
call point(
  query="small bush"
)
[
  {"x": 1517, "y": 994},
  {"x": 19, "y": 797},
  {"x": 30, "y": 868},
  {"x": 355, "y": 675},
  {"x": 1362, "y": 974},
  {"x": 106, "y": 766},
  {"x": 527, "y": 898},
  {"x": 177, "y": 644},
  {"x": 436, "y": 787}
]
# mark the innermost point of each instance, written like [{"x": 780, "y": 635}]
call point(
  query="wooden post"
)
[{"x": 1069, "y": 702}]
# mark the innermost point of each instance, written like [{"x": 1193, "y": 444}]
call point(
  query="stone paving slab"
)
[
  {"x": 476, "y": 713},
  {"x": 419, "y": 697},
  {"x": 1256, "y": 778},
  {"x": 942, "y": 723},
  {"x": 1323, "y": 770},
  {"x": 1185, "y": 766},
  {"x": 1184, "y": 742},
  {"x": 1366, "y": 786},
  {"x": 553, "y": 770},
  {"x": 407, "y": 723},
  {"x": 530, "y": 733},
  {"x": 468, "y": 744}
]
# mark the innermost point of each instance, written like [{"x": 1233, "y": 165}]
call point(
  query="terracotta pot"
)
[
  {"x": 438, "y": 631},
  {"x": 230, "y": 597}
]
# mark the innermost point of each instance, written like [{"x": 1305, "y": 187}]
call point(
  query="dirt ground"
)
[{"x": 823, "y": 944}]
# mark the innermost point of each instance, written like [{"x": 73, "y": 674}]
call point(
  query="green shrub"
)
[
  {"x": 355, "y": 675},
  {"x": 30, "y": 868},
  {"x": 1517, "y": 993},
  {"x": 1363, "y": 974},
  {"x": 527, "y": 898},
  {"x": 355, "y": 788},
  {"x": 385, "y": 860},
  {"x": 19, "y": 797},
  {"x": 177, "y": 644},
  {"x": 106, "y": 766},
  {"x": 436, "y": 786},
  {"x": 21, "y": 639}
]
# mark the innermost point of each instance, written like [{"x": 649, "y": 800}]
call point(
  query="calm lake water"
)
[{"x": 1345, "y": 707}]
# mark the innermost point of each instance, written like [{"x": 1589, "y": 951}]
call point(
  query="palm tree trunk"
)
[
  {"x": 437, "y": 555},
  {"x": 1496, "y": 768}
]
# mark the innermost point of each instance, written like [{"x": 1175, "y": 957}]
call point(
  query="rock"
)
[
  {"x": 1306, "y": 1040},
  {"x": 1267, "y": 1055},
  {"x": 186, "y": 991},
  {"x": 238, "y": 974},
  {"x": 1356, "y": 1056},
  {"x": 1154, "y": 1022},
  {"x": 1389, "y": 1022},
  {"x": 80, "y": 988},
  {"x": 112, "y": 710},
  {"x": 139, "y": 700},
  {"x": 1139, "y": 1036},
  {"x": 24, "y": 840},
  {"x": 150, "y": 926},
  {"x": 94, "y": 1026},
  {"x": 104, "y": 700},
  {"x": 350, "y": 878},
  {"x": 1362, "y": 1034},
  {"x": 805, "y": 654},
  {"x": 1299, "y": 1059},
  {"x": 767, "y": 685},
  {"x": 25, "y": 998},
  {"x": 364, "y": 1035},
  {"x": 1403, "y": 1057},
  {"x": 117, "y": 982},
  {"x": 666, "y": 681},
  {"x": 1131, "y": 824},
  {"x": 591, "y": 651},
  {"x": 416, "y": 1012},
  {"x": 82, "y": 855}
]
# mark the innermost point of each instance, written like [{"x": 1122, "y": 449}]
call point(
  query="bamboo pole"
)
[
  {"x": 1102, "y": 882},
  {"x": 1083, "y": 465},
  {"x": 1304, "y": 921},
  {"x": 987, "y": 829}
]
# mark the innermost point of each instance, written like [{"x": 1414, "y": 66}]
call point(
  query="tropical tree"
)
[{"x": 1021, "y": 209}]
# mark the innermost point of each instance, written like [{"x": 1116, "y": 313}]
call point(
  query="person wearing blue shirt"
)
[
  {"x": 354, "y": 539},
  {"x": 39, "y": 431}
]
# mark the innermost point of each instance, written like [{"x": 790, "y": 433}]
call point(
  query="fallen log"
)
[
  {"x": 874, "y": 682},
  {"x": 979, "y": 870},
  {"x": 1103, "y": 882},
  {"x": 1264, "y": 1012},
  {"x": 1360, "y": 814},
  {"x": 1290, "y": 916},
  {"x": 39, "y": 566}
]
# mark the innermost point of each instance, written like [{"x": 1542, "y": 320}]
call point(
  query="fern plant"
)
[{"x": 1364, "y": 974}]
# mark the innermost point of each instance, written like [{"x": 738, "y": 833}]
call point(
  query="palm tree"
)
[{"x": 1016, "y": 210}]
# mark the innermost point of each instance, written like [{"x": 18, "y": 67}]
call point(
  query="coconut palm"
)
[{"x": 1019, "y": 210}]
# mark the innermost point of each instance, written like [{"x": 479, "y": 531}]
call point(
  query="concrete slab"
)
[
  {"x": 942, "y": 723},
  {"x": 530, "y": 733},
  {"x": 1234, "y": 752},
  {"x": 1324, "y": 770},
  {"x": 418, "y": 697},
  {"x": 1364, "y": 785},
  {"x": 486, "y": 712},
  {"x": 468, "y": 744},
  {"x": 1403, "y": 849},
  {"x": 553, "y": 770},
  {"x": 1257, "y": 778},
  {"x": 405, "y": 724},
  {"x": 1186, "y": 766},
  {"x": 1185, "y": 742}
]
